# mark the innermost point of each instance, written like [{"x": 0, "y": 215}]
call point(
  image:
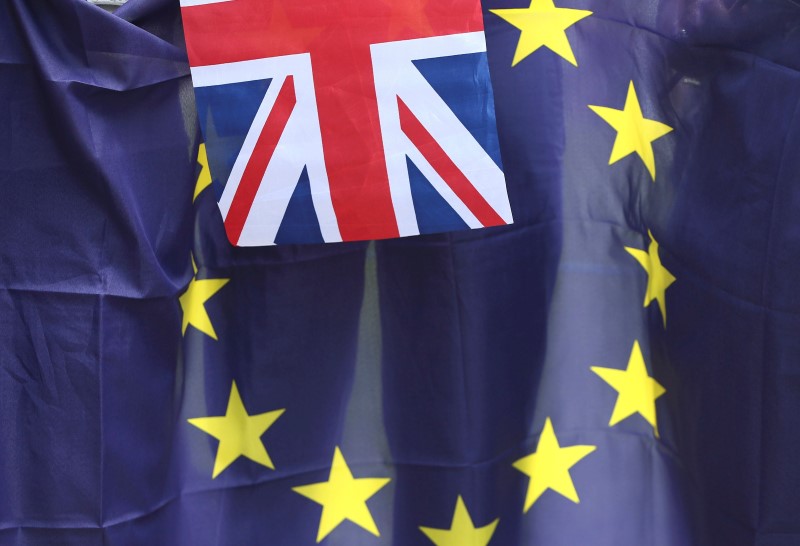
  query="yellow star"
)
[
  {"x": 634, "y": 132},
  {"x": 548, "y": 467},
  {"x": 637, "y": 390},
  {"x": 193, "y": 303},
  {"x": 658, "y": 277},
  {"x": 542, "y": 24},
  {"x": 343, "y": 497},
  {"x": 204, "y": 178},
  {"x": 462, "y": 531},
  {"x": 239, "y": 433}
]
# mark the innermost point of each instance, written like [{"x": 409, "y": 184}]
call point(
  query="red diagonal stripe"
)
[
  {"x": 257, "y": 164},
  {"x": 445, "y": 167}
]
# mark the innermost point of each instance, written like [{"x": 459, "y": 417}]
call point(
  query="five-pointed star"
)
[
  {"x": 239, "y": 433},
  {"x": 635, "y": 133},
  {"x": 193, "y": 303},
  {"x": 204, "y": 178},
  {"x": 343, "y": 497},
  {"x": 462, "y": 531},
  {"x": 658, "y": 277},
  {"x": 548, "y": 467},
  {"x": 637, "y": 390},
  {"x": 542, "y": 24}
]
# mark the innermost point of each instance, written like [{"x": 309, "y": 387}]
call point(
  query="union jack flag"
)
[{"x": 347, "y": 120}]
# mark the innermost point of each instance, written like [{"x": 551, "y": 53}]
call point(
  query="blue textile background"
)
[{"x": 434, "y": 360}]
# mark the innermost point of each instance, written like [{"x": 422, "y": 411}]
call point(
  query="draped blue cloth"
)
[{"x": 434, "y": 361}]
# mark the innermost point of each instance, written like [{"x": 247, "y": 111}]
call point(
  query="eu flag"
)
[{"x": 619, "y": 367}]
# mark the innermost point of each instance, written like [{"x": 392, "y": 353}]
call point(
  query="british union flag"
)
[{"x": 347, "y": 120}]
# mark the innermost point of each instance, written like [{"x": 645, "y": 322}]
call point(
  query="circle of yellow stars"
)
[{"x": 343, "y": 497}]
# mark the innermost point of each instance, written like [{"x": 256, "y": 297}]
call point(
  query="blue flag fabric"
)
[{"x": 619, "y": 367}]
